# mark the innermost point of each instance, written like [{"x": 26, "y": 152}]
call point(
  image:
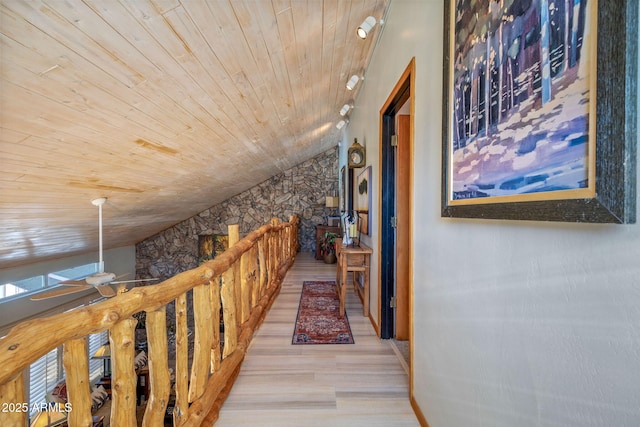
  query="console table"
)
[{"x": 354, "y": 259}]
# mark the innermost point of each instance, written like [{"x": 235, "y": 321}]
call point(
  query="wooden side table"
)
[{"x": 354, "y": 259}]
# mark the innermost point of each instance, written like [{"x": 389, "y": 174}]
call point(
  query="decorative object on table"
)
[
  {"x": 363, "y": 200},
  {"x": 352, "y": 228},
  {"x": 318, "y": 320},
  {"x": 328, "y": 247},
  {"x": 539, "y": 111},
  {"x": 356, "y": 155}
]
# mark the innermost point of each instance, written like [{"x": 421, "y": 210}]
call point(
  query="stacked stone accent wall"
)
[{"x": 300, "y": 190}]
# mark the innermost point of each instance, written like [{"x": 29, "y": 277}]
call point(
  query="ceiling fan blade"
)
[
  {"x": 106, "y": 291},
  {"x": 82, "y": 282},
  {"x": 59, "y": 292},
  {"x": 132, "y": 281},
  {"x": 121, "y": 276}
]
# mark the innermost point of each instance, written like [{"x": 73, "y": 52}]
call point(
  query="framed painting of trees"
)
[{"x": 540, "y": 113}]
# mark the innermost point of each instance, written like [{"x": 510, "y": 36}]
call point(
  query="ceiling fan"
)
[{"x": 100, "y": 280}]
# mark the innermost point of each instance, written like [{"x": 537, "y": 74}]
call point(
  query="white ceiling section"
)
[{"x": 165, "y": 107}]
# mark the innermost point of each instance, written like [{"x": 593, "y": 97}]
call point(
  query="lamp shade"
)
[
  {"x": 48, "y": 419},
  {"x": 104, "y": 352},
  {"x": 331, "y": 202}
]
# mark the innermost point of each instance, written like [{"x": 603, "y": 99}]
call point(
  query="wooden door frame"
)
[{"x": 403, "y": 90}]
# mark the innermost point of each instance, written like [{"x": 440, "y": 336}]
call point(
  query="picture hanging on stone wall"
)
[
  {"x": 209, "y": 246},
  {"x": 539, "y": 110}
]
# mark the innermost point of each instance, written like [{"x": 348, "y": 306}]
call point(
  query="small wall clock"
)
[{"x": 356, "y": 155}]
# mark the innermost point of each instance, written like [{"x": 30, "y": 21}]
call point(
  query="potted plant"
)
[{"x": 328, "y": 247}]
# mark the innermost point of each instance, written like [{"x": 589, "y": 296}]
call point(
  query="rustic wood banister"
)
[{"x": 243, "y": 281}]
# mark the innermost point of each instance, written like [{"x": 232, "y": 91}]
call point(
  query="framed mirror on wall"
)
[
  {"x": 363, "y": 199},
  {"x": 346, "y": 189}
]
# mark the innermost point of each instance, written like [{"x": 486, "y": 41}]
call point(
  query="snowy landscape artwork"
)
[{"x": 520, "y": 109}]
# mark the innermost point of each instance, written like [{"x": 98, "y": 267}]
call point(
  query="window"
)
[
  {"x": 96, "y": 365},
  {"x": 26, "y": 285},
  {"x": 37, "y": 283},
  {"x": 44, "y": 373}
]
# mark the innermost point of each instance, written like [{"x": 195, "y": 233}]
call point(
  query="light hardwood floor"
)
[{"x": 280, "y": 384}]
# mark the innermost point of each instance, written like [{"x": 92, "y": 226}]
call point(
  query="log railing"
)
[{"x": 243, "y": 281}]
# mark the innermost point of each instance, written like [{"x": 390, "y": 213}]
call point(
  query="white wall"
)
[
  {"x": 515, "y": 323},
  {"x": 119, "y": 261}
]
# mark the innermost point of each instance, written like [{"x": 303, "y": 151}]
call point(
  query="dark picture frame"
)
[
  {"x": 607, "y": 193},
  {"x": 363, "y": 199}
]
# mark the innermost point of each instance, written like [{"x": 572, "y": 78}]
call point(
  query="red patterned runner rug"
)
[{"x": 319, "y": 320}]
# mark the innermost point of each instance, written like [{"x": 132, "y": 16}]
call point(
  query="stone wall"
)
[{"x": 300, "y": 190}]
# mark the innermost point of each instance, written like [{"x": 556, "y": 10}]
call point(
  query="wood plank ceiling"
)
[{"x": 166, "y": 107}]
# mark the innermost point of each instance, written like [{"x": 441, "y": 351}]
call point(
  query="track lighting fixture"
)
[
  {"x": 341, "y": 124},
  {"x": 345, "y": 109},
  {"x": 353, "y": 81},
  {"x": 366, "y": 26}
]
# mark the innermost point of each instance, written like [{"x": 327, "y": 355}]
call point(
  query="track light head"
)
[
  {"x": 345, "y": 109},
  {"x": 366, "y": 26},
  {"x": 341, "y": 124},
  {"x": 353, "y": 81}
]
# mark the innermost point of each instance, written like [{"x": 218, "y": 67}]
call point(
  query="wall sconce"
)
[
  {"x": 353, "y": 81},
  {"x": 345, "y": 109},
  {"x": 341, "y": 123},
  {"x": 366, "y": 26}
]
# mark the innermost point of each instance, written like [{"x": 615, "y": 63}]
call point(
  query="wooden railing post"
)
[
  {"x": 275, "y": 249},
  {"x": 123, "y": 381},
  {"x": 234, "y": 237},
  {"x": 13, "y": 397},
  {"x": 227, "y": 296},
  {"x": 182, "y": 362},
  {"x": 158, "y": 368},
  {"x": 216, "y": 354},
  {"x": 245, "y": 287},
  {"x": 262, "y": 263},
  {"x": 253, "y": 275},
  {"x": 201, "y": 366},
  {"x": 76, "y": 366}
]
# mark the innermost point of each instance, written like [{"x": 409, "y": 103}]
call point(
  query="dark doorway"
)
[{"x": 395, "y": 218}]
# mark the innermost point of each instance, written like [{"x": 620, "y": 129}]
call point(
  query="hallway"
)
[{"x": 364, "y": 384}]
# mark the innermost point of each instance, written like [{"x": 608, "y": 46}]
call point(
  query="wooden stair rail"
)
[{"x": 243, "y": 280}]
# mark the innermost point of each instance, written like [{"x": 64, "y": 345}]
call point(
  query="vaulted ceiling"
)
[{"x": 165, "y": 107}]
